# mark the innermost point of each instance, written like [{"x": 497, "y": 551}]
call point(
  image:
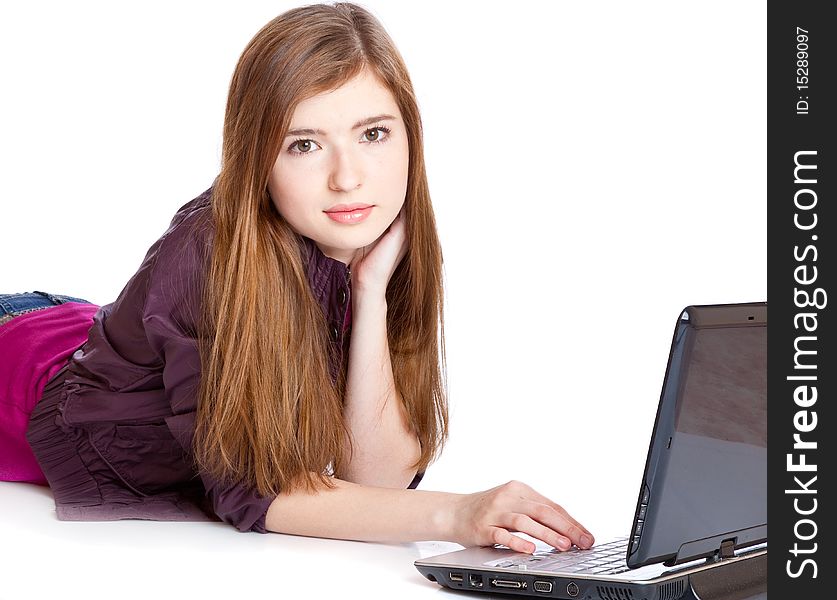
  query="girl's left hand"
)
[{"x": 373, "y": 265}]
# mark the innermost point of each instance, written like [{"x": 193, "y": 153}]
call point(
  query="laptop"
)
[{"x": 702, "y": 499}]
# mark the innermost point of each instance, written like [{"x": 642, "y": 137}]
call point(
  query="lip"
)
[
  {"x": 348, "y": 217},
  {"x": 347, "y": 207}
]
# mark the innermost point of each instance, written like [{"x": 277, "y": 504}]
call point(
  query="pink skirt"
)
[{"x": 33, "y": 347}]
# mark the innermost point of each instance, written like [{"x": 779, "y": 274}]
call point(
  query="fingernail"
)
[{"x": 586, "y": 541}]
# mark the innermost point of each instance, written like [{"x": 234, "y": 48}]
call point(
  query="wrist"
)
[
  {"x": 373, "y": 299},
  {"x": 443, "y": 518}
]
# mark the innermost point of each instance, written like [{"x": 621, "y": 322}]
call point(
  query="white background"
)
[{"x": 594, "y": 168}]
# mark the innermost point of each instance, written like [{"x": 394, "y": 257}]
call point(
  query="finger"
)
[
  {"x": 402, "y": 252},
  {"x": 394, "y": 234},
  {"x": 396, "y": 237},
  {"x": 397, "y": 222},
  {"x": 563, "y": 525},
  {"x": 561, "y": 510},
  {"x": 525, "y": 524},
  {"x": 400, "y": 223},
  {"x": 516, "y": 543},
  {"x": 390, "y": 247},
  {"x": 370, "y": 247}
]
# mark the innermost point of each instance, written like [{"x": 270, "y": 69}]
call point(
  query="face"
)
[{"x": 346, "y": 148}]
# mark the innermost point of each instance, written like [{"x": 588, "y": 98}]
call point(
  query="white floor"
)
[{"x": 41, "y": 557}]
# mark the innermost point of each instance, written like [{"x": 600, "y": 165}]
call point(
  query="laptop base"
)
[
  {"x": 741, "y": 578},
  {"x": 744, "y": 580}
]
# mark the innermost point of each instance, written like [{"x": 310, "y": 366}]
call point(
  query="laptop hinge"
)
[
  {"x": 727, "y": 549},
  {"x": 719, "y": 547}
]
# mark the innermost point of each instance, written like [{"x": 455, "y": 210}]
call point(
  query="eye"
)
[
  {"x": 303, "y": 146},
  {"x": 374, "y": 135}
]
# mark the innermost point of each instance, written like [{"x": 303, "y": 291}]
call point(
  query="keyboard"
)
[{"x": 605, "y": 559}]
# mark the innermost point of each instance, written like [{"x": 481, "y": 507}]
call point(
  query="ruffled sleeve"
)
[{"x": 169, "y": 317}]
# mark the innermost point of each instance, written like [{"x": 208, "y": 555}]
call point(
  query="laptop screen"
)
[{"x": 706, "y": 475}]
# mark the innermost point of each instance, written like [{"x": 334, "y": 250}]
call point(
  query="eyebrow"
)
[{"x": 358, "y": 125}]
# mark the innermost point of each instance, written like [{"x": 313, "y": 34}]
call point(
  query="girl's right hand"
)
[{"x": 489, "y": 517}]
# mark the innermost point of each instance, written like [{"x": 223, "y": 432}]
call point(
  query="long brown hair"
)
[{"x": 269, "y": 412}]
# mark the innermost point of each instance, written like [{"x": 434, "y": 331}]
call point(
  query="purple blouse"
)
[{"x": 113, "y": 430}]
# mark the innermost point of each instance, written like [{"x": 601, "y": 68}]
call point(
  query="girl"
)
[{"x": 274, "y": 362}]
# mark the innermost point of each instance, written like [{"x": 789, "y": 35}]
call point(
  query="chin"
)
[
  {"x": 361, "y": 233},
  {"x": 346, "y": 242}
]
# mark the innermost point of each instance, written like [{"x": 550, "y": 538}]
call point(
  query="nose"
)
[{"x": 346, "y": 172}]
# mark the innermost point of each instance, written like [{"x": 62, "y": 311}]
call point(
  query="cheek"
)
[
  {"x": 396, "y": 171},
  {"x": 288, "y": 185}
]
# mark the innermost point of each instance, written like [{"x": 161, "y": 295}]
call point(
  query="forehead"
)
[{"x": 361, "y": 96}]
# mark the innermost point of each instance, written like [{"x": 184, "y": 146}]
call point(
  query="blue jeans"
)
[{"x": 12, "y": 305}]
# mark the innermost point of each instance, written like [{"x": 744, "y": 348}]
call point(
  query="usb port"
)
[{"x": 456, "y": 577}]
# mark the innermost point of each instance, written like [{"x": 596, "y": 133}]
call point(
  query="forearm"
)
[
  {"x": 355, "y": 512},
  {"x": 384, "y": 446}
]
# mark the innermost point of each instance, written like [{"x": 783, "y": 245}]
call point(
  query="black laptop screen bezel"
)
[{"x": 640, "y": 554}]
